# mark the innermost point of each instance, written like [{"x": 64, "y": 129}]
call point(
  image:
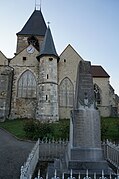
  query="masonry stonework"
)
[
  {"x": 104, "y": 107},
  {"x": 44, "y": 88},
  {"x": 23, "y": 107}
]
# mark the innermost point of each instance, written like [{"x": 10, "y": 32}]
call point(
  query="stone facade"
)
[
  {"x": 47, "y": 89},
  {"x": 104, "y": 106},
  {"x": 44, "y": 89},
  {"x": 67, "y": 68},
  {"x": 22, "y": 107},
  {"x": 6, "y": 78},
  {"x": 22, "y": 42}
]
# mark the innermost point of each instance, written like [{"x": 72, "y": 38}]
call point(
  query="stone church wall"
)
[
  {"x": 3, "y": 61},
  {"x": 26, "y": 107},
  {"x": 23, "y": 107},
  {"x": 48, "y": 91},
  {"x": 67, "y": 67},
  {"x": 5, "y": 92},
  {"x": 105, "y": 105},
  {"x": 22, "y": 42}
]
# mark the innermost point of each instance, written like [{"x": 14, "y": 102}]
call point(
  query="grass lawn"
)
[
  {"x": 15, "y": 127},
  {"x": 109, "y": 129}
]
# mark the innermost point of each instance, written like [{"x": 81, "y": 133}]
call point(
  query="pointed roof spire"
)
[
  {"x": 48, "y": 47},
  {"x": 35, "y": 25}
]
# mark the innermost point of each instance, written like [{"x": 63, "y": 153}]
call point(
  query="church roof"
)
[
  {"x": 99, "y": 72},
  {"x": 35, "y": 25},
  {"x": 48, "y": 47}
]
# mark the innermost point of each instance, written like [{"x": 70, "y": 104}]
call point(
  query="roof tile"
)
[
  {"x": 35, "y": 25},
  {"x": 99, "y": 72},
  {"x": 48, "y": 47}
]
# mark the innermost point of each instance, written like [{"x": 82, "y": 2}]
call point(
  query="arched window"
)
[
  {"x": 34, "y": 41},
  {"x": 66, "y": 93},
  {"x": 97, "y": 93},
  {"x": 27, "y": 85}
]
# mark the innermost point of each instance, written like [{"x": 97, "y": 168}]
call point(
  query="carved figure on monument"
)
[{"x": 86, "y": 99}]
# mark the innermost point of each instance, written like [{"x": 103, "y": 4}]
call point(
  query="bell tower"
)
[{"x": 33, "y": 32}]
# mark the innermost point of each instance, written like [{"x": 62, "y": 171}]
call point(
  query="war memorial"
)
[
  {"x": 84, "y": 150},
  {"x": 82, "y": 156}
]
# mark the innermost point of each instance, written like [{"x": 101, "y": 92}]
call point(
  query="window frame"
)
[
  {"x": 66, "y": 96},
  {"x": 27, "y": 90},
  {"x": 97, "y": 95}
]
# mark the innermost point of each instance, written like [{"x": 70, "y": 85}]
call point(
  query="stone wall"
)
[
  {"x": 105, "y": 105},
  {"x": 47, "y": 108},
  {"x": 22, "y": 42},
  {"x": 23, "y": 107},
  {"x": 5, "y": 92},
  {"x": 67, "y": 67},
  {"x": 3, "y": 60}
]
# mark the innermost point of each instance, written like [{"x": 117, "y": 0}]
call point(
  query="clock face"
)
[{"x": 30, "y": 49}]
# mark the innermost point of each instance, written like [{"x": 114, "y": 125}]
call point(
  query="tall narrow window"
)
[
  {"x": 97, "y": 93},
  {"x": 46, "y": 97},
  {"x": 27, "y": 85},
  {"x": 66, "y": 93}
]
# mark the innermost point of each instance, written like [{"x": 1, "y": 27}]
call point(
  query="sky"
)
[{"x": 90, "y": 26}]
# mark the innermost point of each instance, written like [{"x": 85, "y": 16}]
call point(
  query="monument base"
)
[
  {"x": 86, "y": 154},
  {"x": 82, "y": 167},
  {"x": 91, "y": 166}
]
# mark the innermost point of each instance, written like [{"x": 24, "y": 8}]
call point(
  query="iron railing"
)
[
  {"x": 28, "y": 168},
  {"x": 49, "y": 150}
]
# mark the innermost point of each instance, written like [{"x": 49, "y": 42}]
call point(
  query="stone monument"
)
[{"x": 84, "y": 151}]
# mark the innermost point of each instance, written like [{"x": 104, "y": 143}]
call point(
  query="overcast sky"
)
[{"x": 90, "y": 26}]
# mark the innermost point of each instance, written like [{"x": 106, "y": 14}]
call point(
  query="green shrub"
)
[
  {"x": 35, "y": 129},
  {"x": 61, "y": 129},
  {"x": 104, "y": 129},
  {"x": 110, "y": 128}
]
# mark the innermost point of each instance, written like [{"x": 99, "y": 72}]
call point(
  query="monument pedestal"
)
[
  {"x": 84, "y": 150},
  {"x": 93, "y": 154},
  {"x": 82, "y": 159}
]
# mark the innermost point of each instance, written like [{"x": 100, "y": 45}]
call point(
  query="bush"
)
[
  {"x": 104, "y": 129},
  {"x": 61, "y": 129},
  {"x": 35, "y": 129},
  {"x": 110, "y": 128}
]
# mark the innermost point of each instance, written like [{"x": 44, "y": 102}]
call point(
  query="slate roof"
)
[
  {"x": 48, "y": 47},
  {"x": 99, "y": 72},
  {"x": 35, "y": 25}
]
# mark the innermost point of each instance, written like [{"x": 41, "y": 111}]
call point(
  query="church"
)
[{"x": 38, "y": 83}]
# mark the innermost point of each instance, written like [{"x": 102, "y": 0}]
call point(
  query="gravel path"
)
[{"x": 13, "y": 154}]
